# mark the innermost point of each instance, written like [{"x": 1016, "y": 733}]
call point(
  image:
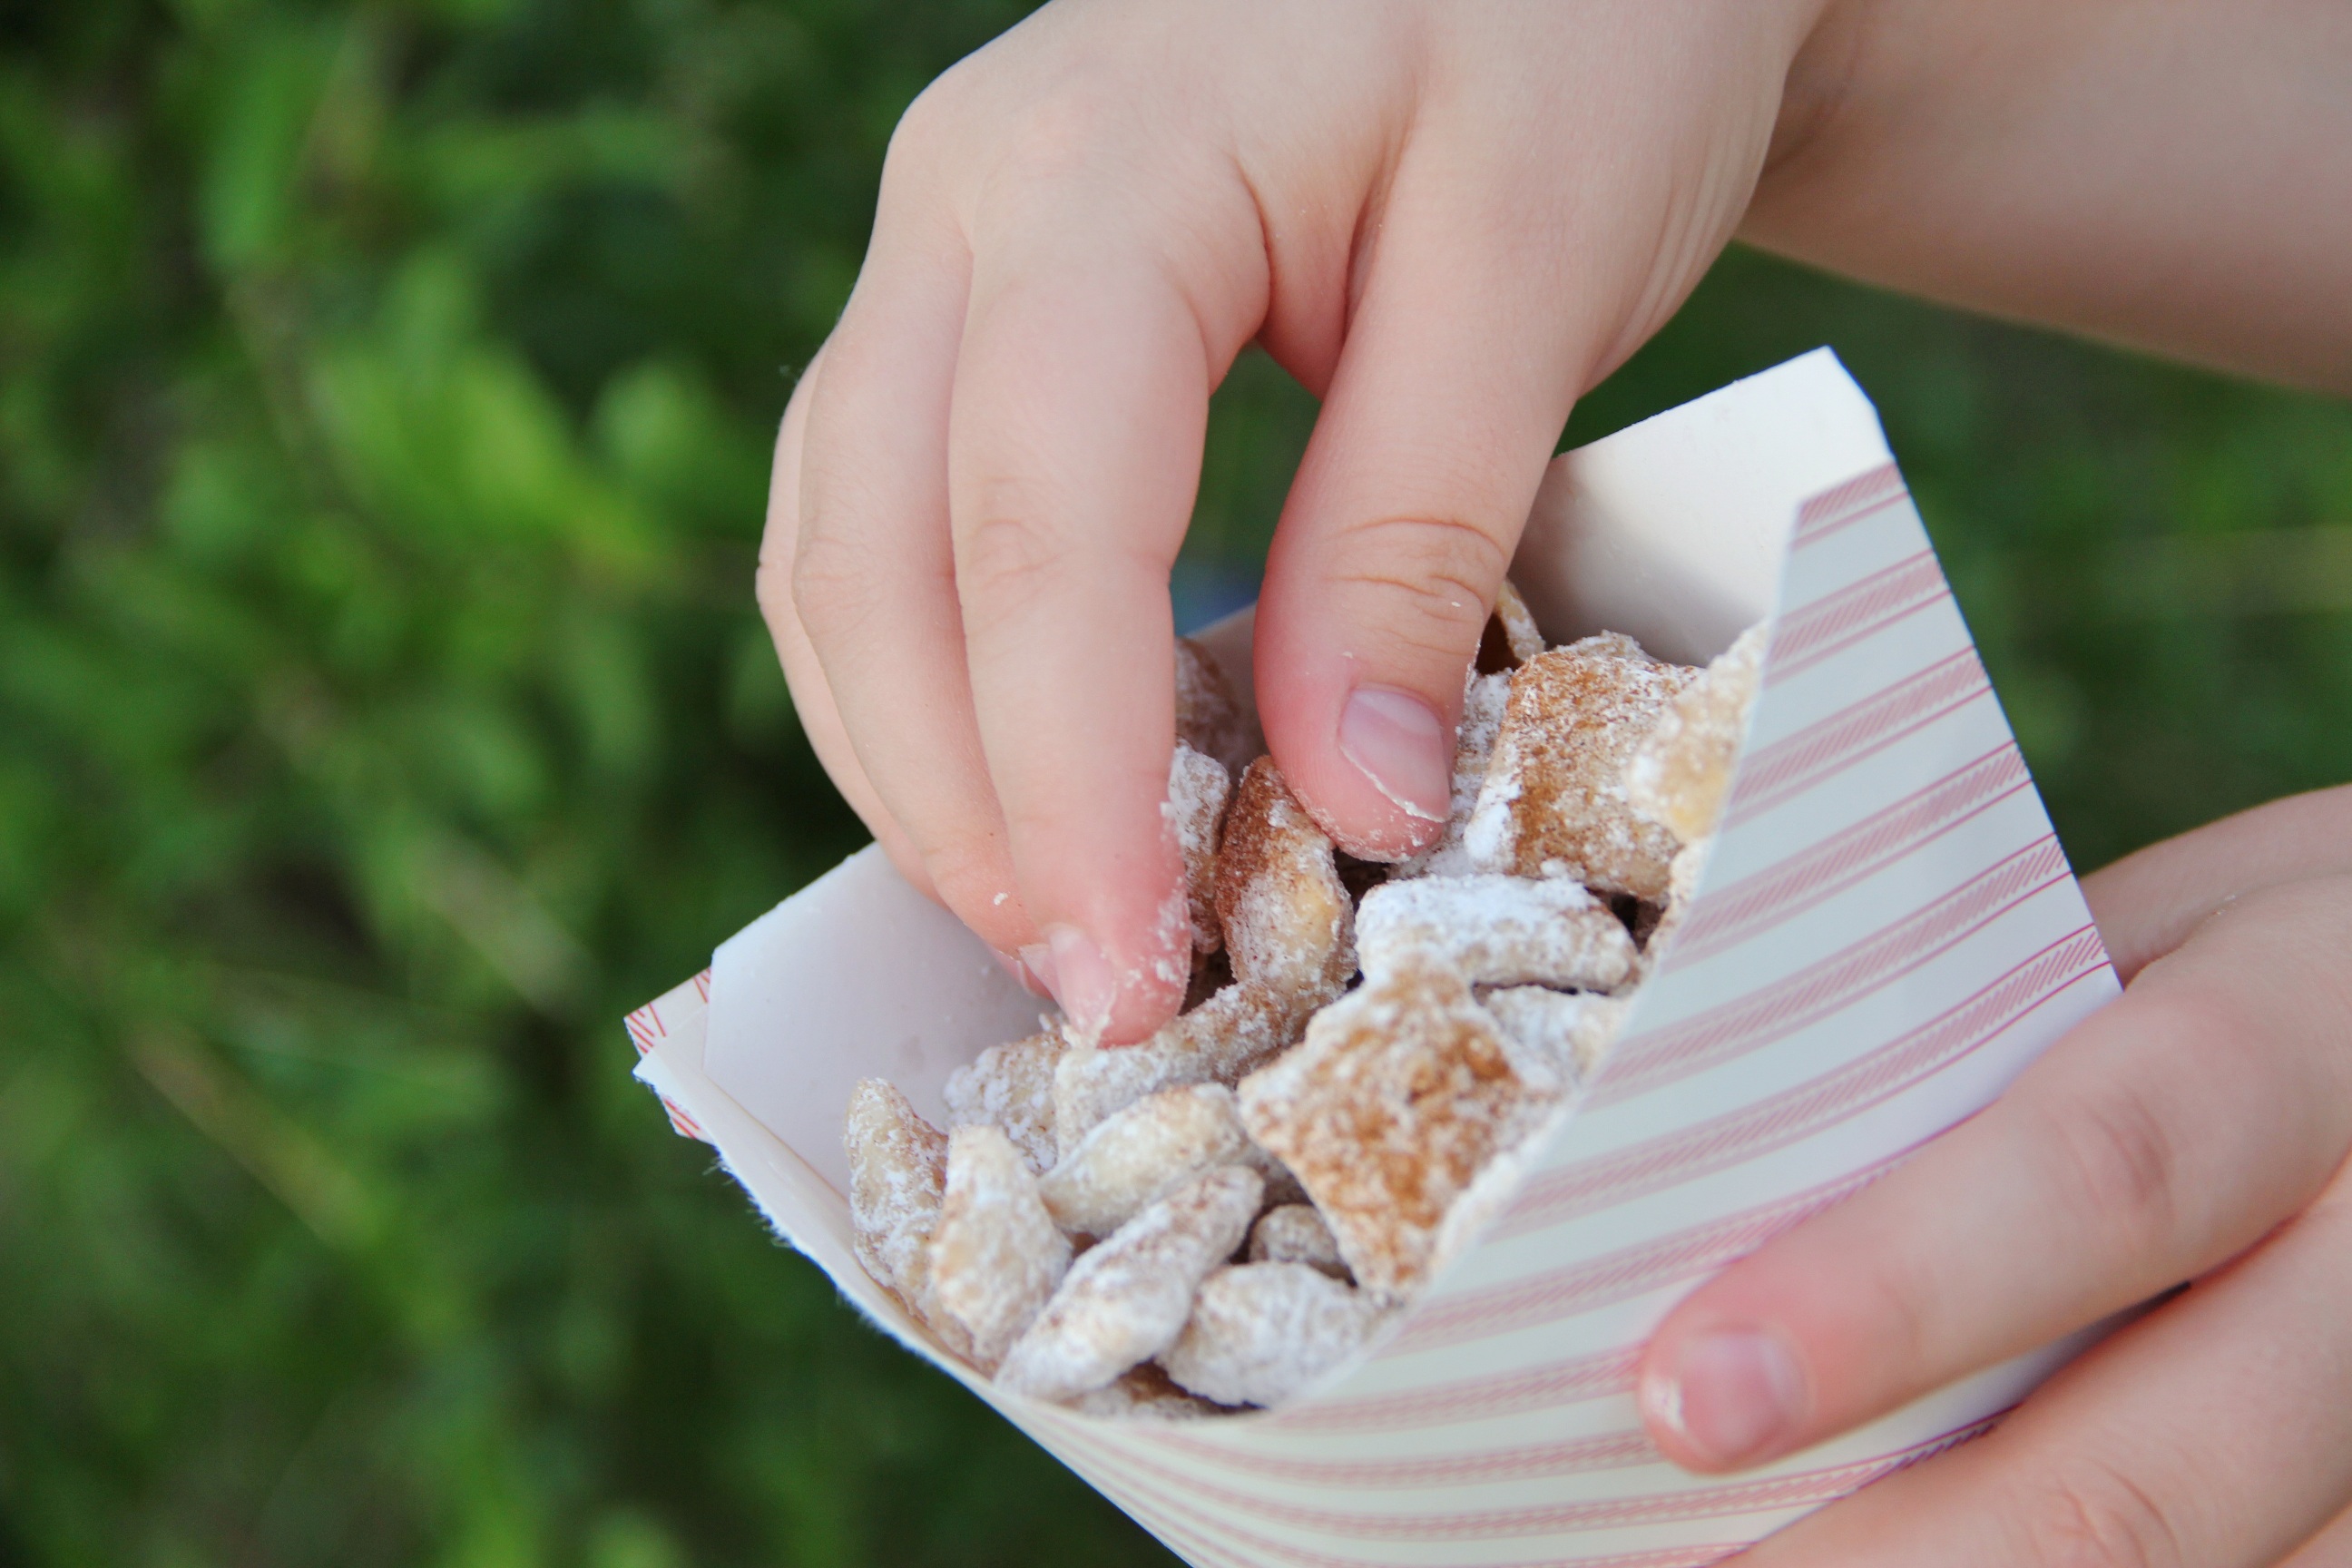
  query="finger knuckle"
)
[
  {"x": 2093, "y": 1514},
  {"x": 2121, "y": 1154},
  {"x": 1428, "y": 577},
  {"x": 1007, "y": 563},
  {"x": 833, "y": 584},
  {"x": 1055, "y": 136},
  {"x": 932, "y": 124}
]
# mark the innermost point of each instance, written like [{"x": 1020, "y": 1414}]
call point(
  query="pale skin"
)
[{"x": 1448, "y": 220}]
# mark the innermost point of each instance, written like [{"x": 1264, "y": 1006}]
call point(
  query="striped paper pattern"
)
[{"x": 1887, "y": 932}]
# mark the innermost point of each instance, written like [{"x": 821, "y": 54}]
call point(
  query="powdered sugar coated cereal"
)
[
  {"x": 1141, "y": 1152},
  {"x": 1679, "y": 773},
  {"x": 1260, "y": 1333},
  {"x": 1286, "y": 914},
  {"x": 1216, "y": 1042},
  {"x": 1495, "y": 931},
  {"x": 1554, "y": 801},
  {"x": 994, "y": 1255},
  {"x": 1197, "y": 790},
  {"x": 897, "y": 1164},
  {"x": 1143, "y": 1393},
  {"x": 1126, "y": 1299},
  {"x": 1401, "y": 1092},
  {"x": 1295, "y": 1232},
  {"x": 1011, "y": 1088},
  {"x": 1557, "y": 1038}
]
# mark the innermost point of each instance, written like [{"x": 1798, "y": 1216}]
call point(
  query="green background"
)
[{"x": 384, "y": 398}]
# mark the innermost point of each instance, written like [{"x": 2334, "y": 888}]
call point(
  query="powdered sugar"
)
[
  {"x": 1554, "y": 801},
  {"x": 1011, "y": 1088},
  {"x": 1126, "y": 1299},
  {"x": 1197, "y": 790},
  {"x": 1404, "y": 1113},
  {"x": 1260, "y": 1333},
  {"x": 1495, "y": 931}
]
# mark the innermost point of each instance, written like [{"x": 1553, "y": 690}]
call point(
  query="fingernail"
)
[
  {"x": 1733, "y": 1395},
  {"x": 1018, "y": 968},
  {"x": 1401, "y": 745},
  {"x": 1081, "y": 977}
]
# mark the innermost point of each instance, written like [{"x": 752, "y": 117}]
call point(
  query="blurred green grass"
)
[{"x": 384, "y": 398}]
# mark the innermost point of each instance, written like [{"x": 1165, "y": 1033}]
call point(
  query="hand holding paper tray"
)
[{"x": 1887, "y": 932}]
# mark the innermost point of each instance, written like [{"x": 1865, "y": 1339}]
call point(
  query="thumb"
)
[{"x": 1456, "y": 376}]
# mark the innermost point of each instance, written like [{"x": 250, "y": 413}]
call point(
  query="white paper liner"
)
[{"x": 1886, "y": 935}]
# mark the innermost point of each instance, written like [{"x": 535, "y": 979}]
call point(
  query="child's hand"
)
[
  {"x": 1447, "y": 220},
  {"x": 2196, "y": 1131}
]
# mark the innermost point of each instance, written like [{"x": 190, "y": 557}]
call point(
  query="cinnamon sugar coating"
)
[
  {"x": 1261, "y": 1332},
  {"x": 1287, "y": 917},
  {"x": 994, "y": 1256},
  {"x": 1208, "y": 720},
  {"x": 897, "y": 1165},
  {"x": 1011, "y": 1088},
  {"x": 1126, "y": 1298},
  {"x": 1680, "y": 772},
  {"x": 1197, "y": 790},
  {"x": 1495, "y": 931},
  {"x": 1401, "y": 1092},
  {"x": 1371, "y": 1136},
  {"x": 1554, "y": 801}
]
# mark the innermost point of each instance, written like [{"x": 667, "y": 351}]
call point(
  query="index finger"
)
[{"x": 1081, "y": 402}]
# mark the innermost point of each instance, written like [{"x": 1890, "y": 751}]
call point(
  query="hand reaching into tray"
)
[
  {"x": 2196, "y": 1131},
  {"x": 1446, "y": 221}
]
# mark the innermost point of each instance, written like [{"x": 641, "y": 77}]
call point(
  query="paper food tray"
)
[{"x": 1887, "y": 932}]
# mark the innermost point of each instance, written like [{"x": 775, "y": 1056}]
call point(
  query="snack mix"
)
[{"x": 1220, "y": 1217}]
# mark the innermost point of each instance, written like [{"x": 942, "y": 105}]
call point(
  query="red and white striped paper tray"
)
[{"x": 1886, "y": 935}]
